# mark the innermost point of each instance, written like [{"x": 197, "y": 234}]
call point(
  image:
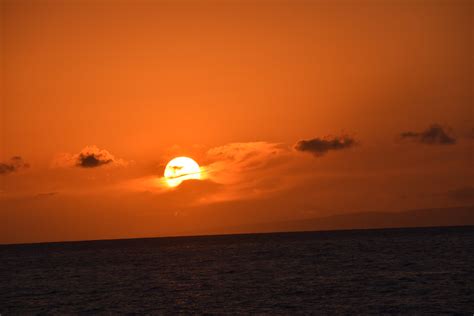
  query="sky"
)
[{"x": 293, "y": 109}]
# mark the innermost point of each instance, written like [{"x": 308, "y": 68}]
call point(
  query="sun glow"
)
[{"x": 180, "y": 169}]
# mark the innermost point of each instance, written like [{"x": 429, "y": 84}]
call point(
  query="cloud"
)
[
  {"x": 233, "y": 160},
  {"x": 433, "y": 135},
  {"x": 320, "y": 146},
  {"x": 46, "y": 194},
  {"x": 89, "y": 157},
  {"x": 229, "y": 172},
  {"x": 247, "y": 170},
  {"x": 92, "y": 157},
  {"x": 16, "y": 163}
]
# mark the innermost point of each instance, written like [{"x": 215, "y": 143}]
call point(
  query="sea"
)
[{"x": 416, "y": 271}]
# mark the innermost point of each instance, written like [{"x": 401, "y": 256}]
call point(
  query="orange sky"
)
[{"x": 381, "y": 91}]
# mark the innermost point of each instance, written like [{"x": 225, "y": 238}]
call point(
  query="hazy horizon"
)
[{"x": 369, "y": 220}]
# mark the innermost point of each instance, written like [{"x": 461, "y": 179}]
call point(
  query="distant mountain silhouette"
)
[{"x": 456, "y": 216}]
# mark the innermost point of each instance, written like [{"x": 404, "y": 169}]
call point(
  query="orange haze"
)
[{"x": 294, "y": 110}]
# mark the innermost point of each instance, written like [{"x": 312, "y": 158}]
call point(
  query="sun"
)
[{"x": 180, "y": 169}]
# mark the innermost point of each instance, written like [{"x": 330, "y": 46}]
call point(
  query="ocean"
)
[{"x": 386, "y": 271}]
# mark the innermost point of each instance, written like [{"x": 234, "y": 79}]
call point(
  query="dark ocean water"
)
[{"x": 393, "y": 271}]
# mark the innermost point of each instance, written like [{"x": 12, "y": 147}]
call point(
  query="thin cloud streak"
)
[{"x": 435, "y": 134}]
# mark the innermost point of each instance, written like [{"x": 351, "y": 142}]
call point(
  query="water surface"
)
[{"x": 424, "y": 270}]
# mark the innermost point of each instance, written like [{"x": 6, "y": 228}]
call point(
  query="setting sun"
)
[{"x": 180, "y": 169}]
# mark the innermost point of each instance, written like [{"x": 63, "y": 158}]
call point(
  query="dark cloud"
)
[
  {"x": 91, "y": 161},
  {"x": 46, "y": 194},
  {"x": 433, "y": 135},
  {"x": 91, "y": 157},
  {"x": 16, "y": 163},
  {"x": 320, "y": 146},
  {"x": 462, "y": 194}
]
